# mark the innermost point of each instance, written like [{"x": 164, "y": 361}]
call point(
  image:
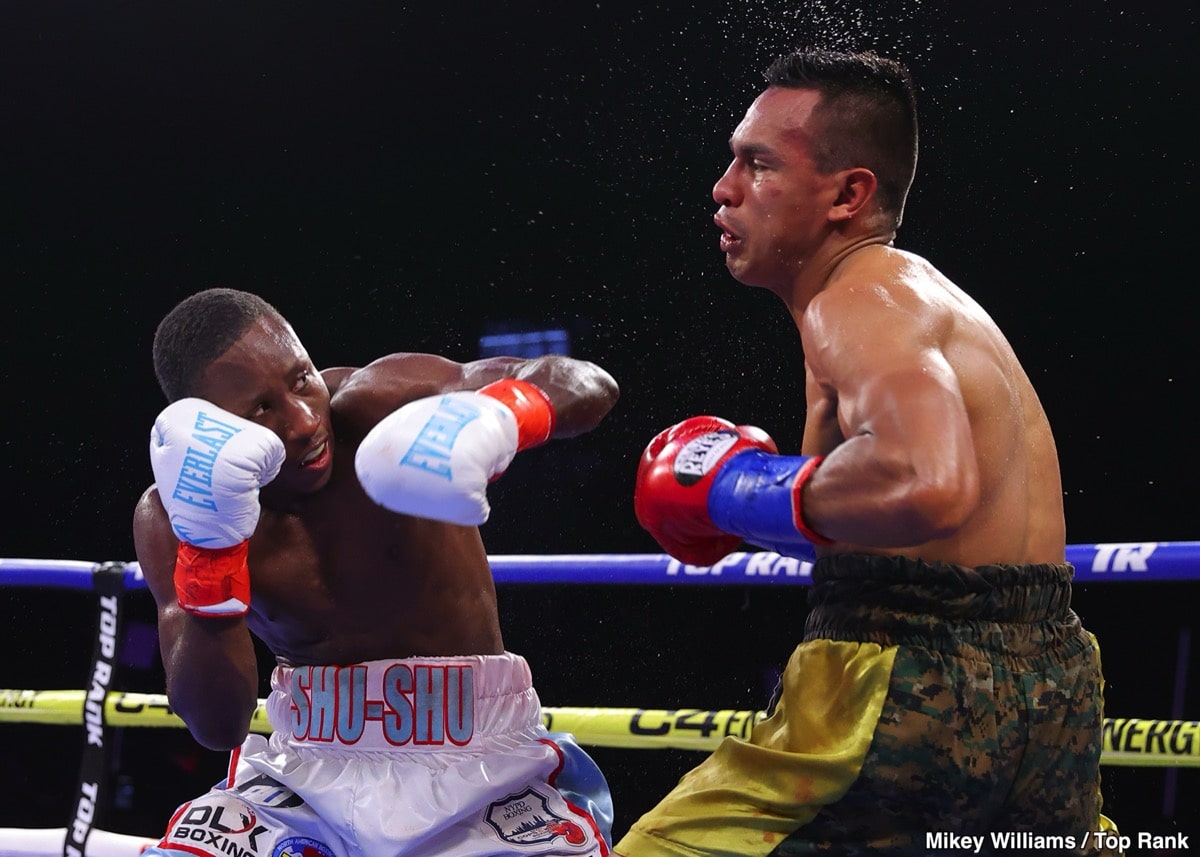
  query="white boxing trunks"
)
[{"x": 406, "y": 758}]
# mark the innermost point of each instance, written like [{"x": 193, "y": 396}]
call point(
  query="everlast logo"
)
[
  {"x": 698, "y": 456},
  {"x": 434, "y": 444},
  {"x": 209, "y": 437}
]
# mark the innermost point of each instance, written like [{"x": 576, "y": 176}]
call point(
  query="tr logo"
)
[{"x": 1129, "y": 556}]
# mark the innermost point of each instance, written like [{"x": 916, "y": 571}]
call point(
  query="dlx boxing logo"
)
[{"x": 236, "y": 834}]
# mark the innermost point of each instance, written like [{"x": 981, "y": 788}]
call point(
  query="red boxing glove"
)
[{"x": 673, "y": 480}]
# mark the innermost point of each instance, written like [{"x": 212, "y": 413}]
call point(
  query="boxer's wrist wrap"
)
[
  {"x": 213, "y": 581},
  {"x": 756, "y": 495},
  {"x": 535, "y": 414}
]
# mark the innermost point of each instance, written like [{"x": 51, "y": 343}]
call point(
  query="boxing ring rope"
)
[
  {"x": 1129, "y": 742},
  {"x": 1126, "y": 741},
  {"x": 1144, "y": 561}
]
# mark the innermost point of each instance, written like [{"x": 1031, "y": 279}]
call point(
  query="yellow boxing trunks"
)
[{"x": 926, "y": 699}]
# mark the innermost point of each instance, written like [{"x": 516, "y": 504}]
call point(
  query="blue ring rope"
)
[{"x": 1099, "y": 563}]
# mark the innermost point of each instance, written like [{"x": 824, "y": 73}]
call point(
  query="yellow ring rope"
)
[{"x": 1130, "y": 742}]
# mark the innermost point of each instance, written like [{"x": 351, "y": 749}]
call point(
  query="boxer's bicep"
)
[{"x": 906, "y": 467}]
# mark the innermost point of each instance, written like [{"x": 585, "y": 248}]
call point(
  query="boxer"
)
[
  {"x": 942, "y": 683},
  {"x": 335, "y": 515}
]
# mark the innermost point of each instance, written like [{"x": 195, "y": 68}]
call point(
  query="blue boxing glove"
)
[{"x": 756, "y": 495}]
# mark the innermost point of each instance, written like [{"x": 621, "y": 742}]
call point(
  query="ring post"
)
[{"x": 108, "y": 582}]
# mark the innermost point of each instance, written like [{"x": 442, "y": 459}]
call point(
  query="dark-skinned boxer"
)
[{"x": 335, "y": 515}]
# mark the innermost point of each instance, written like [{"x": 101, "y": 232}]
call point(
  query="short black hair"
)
[
  {"x": 867, "y": 115},
  {"x": 197, "y": 331}
]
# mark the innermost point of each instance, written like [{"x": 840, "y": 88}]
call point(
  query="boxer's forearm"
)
[
  {"x": 580, "y": 392},
  {"x": 212, "y": 676}
]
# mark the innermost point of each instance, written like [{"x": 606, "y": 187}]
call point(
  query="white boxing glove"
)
[
  {"x": 434, "y": 457},
  {"x": 209, "y": 465}
]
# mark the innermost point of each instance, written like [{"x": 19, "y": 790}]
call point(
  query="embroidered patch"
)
[
  {"x": 527, "y": 819},
  {"x": 301, "y": 846}
]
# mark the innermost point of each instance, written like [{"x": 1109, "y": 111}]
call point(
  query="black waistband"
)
[
  {"x": 1023, "y": 610},
  {"x": 998, "y": 593}
]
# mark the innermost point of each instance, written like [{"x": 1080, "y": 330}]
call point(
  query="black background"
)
[{"x": 401, "y": 177}]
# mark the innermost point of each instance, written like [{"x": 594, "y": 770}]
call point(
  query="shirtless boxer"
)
[
  {"x": 334, "y": 515},
  {"x": 943, "y": 684}
]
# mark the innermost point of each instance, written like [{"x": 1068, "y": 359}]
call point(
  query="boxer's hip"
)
[
  {"x": 410, "y": 705},
  {"x": 1018, "y": 613}
]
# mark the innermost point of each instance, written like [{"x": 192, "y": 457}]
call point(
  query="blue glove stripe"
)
[{"x": 751, "y": 497}]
